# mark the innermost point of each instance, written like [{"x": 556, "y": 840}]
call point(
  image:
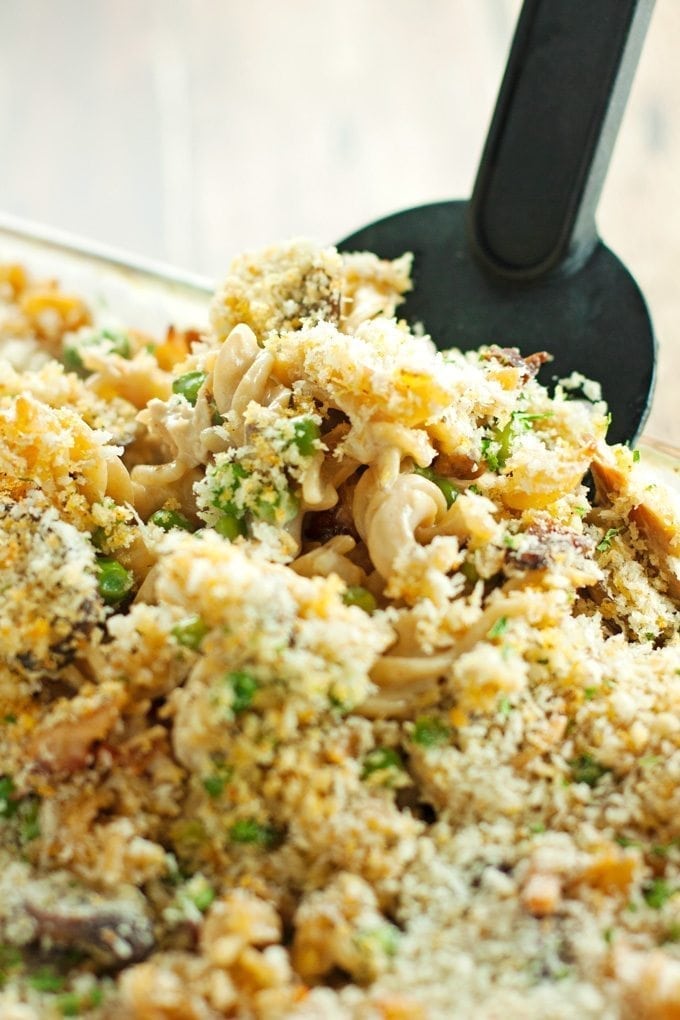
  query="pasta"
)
[{"x": 328, "y": 687}]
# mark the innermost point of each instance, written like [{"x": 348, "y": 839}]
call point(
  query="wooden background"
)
[{"x": 188, "y": 130}]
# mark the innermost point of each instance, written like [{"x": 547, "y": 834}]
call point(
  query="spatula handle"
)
[{"x": 552, "y": 134}]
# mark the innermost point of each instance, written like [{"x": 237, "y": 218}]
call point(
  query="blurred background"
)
[{"x": 188, "y": 130}]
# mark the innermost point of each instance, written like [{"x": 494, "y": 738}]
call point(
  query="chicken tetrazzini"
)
[{"x": 328, "y": 687}]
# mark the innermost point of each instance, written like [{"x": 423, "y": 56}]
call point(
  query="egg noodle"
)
[{"x": 339, "y": 676}]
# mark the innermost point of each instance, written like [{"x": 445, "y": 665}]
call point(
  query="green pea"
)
[
  {"x": 231, "y": 527},
  {"x": 355, "y": 595},
  {"x": 448, "y": 490},
  {"x": 114, "y": 581},
  {"x": 170, "y": 519},
  {"x": 190, "y": 632},
  {"x": 188, "y": 385},
  {"x": 306, "y": 433}
]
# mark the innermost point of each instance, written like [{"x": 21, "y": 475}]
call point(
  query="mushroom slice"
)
[{"x": 112, "y": 931}]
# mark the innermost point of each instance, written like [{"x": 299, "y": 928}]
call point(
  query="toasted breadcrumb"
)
[{"x": 327, "y": 686}]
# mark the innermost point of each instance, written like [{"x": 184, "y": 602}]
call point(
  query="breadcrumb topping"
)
[{"x": 328, "y": 686}]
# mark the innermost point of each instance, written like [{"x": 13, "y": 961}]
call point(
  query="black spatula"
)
[{"x": 521, "y": 264}]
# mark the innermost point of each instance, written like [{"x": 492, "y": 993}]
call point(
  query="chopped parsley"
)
[
  {"x": 381, "y": 758},
  {"x": 587, "y": 769},
  {"x": 46, "y": 980},
  {"x": 657, "y": 892},
  {"x": 431, "y": 732},
  {"x": 111, "y": 341},
  {"x": 170, "y": 520},
  {"x": 9, "y": 803},
  {"x": 306, "y": 435},
  {"x": 606, "y": 541},
  {"x": 497, "y": 444},
  {"x": 498, "y": 629},
  {"x": 215, "y": 783},
  {"x": 244, "y": 686},
  {"x": 248, "y": 830}
]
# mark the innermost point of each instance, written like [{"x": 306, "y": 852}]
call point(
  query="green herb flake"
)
[
  {"x": 609, "y": 934},
  {"x": 657, "y": 893},
  {"x": 189, "y": 633},
  {"x": 215, "y": 783},
  {"x": 636, "y": 456},
  {"x": 244, "y": 687},
  {"x": 672, "y": 933},
  {"x": 10, "y": 959},
  {"x": 200, "y": 892},
  {"x": 590, "y": 692},
  {"x": 69, "y": 1004},
  {"x": 113, "y": 341},
  {"x": 383, "y": 938},
  {"x": 536, "y": 828},
  {"x": 587, "y": 769},
  {"x": 46, "y": 980},
  {"x": 469, "y": 571},
  {"x": 431, "y": 732},
  {"x": 189, "y": 385},
  {"x": 306, "y": 436},
  {"x": 606, "y": 541},
  {"x": 504, "y": 705},
  {"x": 497, "y": 445},
  {"x": 9, "y": 803},
  {"x": 626, "y": 842},
  {"x": 170, "y": 520},
  {"x": 356, "y": 595},
  {"x": 225, "y": 482},
  {"x": 277, "y": 507},
  {"x": 498, "y": 629},
  {"x": 248, "y": 830},
  {"x": 381, "y": 758},
  {"x": 10, "y": 718},
  {"x": 29, "y": 823}
]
